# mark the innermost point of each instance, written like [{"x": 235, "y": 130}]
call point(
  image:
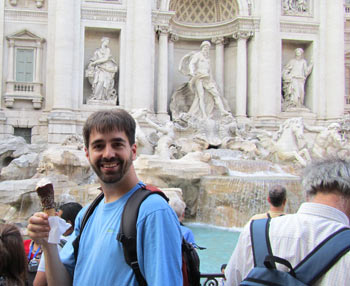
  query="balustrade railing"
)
[
  {"x": 211, "y": 279},
  {"x": 23, "y": 91},
  {"x": 347, "y": 10},
  {"x": 347, "y": 99}
]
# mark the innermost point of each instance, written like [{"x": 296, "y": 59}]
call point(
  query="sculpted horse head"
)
[
  {"x": 288, "y": 141},
  {"x": 290, "y": 133}
]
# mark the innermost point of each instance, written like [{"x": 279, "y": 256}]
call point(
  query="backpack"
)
[
  {"x": 127, "y": 236},
  {"x": 307, "y": 272}
]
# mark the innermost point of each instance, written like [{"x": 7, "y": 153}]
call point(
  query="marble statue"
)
[
  {"x": 289, "y": 143},
  {"x": 166, "y": 147},
  {"x": 101, "y": 73},
  {"x": 144, "y": 145},
  {"x": 207, "y": 97},
  {"x": 294, "y": 75},
  {"x": 328, "y": 141}
]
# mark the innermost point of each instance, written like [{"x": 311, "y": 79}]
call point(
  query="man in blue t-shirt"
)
[{"x": 109, "y": 138}]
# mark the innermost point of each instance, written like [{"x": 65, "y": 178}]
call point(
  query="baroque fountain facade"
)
[{"x": 229, "y": 97}]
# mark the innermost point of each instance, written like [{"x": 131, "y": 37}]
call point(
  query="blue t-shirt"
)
[
  {"x": 187, "y": 234},
  {"x": 101, "y": 259}
]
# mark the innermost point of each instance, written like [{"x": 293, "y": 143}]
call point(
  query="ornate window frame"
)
[{"x": 31, "y": 91}]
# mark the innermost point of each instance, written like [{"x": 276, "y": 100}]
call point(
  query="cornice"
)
[
  {"x": 299, "y": 27},
  {"x": 107, "y": 15},
  {"x": 21, "y": 15},
  {"x": 195, "y": 31},
  {"x": 162, "y": 18}
]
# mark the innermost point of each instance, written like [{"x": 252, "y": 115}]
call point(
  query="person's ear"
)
[
  {"x": 134, "y": 150},
  {"x": 86, "y": 152}
]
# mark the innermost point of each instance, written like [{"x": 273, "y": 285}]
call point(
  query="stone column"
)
[
  {"x": 126, "y": 99},
  {"x": 61, "y": 50},
  {"x": 172, "y": 40},
  {"x": 241, "y": 74},
  {"x": 334, "y": 59},
  {"x": 143, "y": 56},
  {"x": 219, "y": 62},
  {"x": 269, "y": 68},
  {"x": 162, "y": 99},
  {"x": 10, "y": 60},
  {"x": 2, "y": 23},
  {"x": 38, "y": 62},
  {"x": 63, "y": 46}
]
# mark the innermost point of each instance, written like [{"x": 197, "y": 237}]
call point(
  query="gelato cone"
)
[{"x": 46, "y": 194}]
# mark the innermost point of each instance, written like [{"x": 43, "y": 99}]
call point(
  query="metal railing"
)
[{"x": 211, "y": 279}]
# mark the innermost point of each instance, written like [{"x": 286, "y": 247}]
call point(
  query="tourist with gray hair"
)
[
  {"x": 292, "y": 237},
  {"x": 277, "y": 200},
  {"x": 179, "y": 207}
]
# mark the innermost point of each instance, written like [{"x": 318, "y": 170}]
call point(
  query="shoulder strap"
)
[
  {"x": 127, "y": 232},
  {"x": 62, "y": 242},
  {"x": 259, "y": 229},
  {"x": 323, "y": 256},
  {"x": 87, "y": 214}
]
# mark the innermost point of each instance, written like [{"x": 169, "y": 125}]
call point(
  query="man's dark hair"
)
[
  {"x": 277, "y": 195},
  {"x": 105, "y": 121},
  {"x": 70, "y": 211}
]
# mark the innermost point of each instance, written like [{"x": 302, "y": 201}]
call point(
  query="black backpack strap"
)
[
  {"x": 87, "y": 214},
  {"x": 62, "y": 242},
  {"x": 323, "y": 256},
  {"x": 127, "y": 232},
  {"x": 259, "y": 229}
]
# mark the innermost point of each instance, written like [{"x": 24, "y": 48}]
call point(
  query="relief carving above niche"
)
[{"x": 296, "y": 7}]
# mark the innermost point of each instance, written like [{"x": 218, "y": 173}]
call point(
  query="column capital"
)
[
  {"x": 244, "y": 35},
  {"x": 162, "y": 29},
  {"x": 218, "y": 40}
]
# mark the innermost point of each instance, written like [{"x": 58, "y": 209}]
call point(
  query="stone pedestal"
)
[{"x": 303, "y": 112}]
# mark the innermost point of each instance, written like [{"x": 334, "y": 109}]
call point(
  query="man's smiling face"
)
[{"x": 110, "y": 155}]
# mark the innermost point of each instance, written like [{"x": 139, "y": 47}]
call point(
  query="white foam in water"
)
[{"x": 260, "y": 174}]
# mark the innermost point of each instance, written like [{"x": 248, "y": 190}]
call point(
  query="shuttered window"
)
[{"x": 24, "y": 65}]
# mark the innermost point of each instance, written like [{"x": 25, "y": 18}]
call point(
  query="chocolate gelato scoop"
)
[{"x": 44, "y": 189}]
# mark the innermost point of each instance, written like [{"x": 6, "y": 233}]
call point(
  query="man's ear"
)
[
  {"x": 86, "y": 152},
  {"x": 133, "y": 150}
]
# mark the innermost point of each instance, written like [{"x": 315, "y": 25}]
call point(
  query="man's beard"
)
[{"x": 116, "y": 176}]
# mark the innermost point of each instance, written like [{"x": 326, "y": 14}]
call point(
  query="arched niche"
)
[
  {"x": 205, "y": 19},
  {"x": 242, "y": 7}
]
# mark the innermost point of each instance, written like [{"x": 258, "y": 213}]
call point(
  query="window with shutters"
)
[
  {"x": 24, "y": 68},
  {"x": 24, "y": 65}
]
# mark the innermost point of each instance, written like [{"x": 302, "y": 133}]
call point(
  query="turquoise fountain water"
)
[{"x": 219, "y": 243}]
